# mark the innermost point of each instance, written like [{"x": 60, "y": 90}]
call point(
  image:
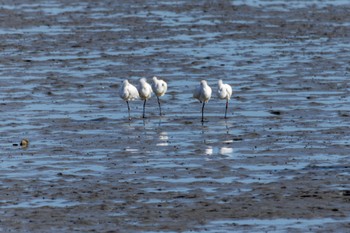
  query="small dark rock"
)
[{"x": 274, "y": 112}]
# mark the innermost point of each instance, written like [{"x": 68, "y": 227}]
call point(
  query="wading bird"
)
[
  {"x": 128, "y": 92},
  {"x": 145, "y": 92},
  {"x": 203, "y": 94},
  {"x": 224, "y": 92},
  {"x": 159, "y": 88}
]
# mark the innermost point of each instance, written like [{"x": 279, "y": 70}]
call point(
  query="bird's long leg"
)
[
  {"x": 226, "y": 109},
  {"x": 160, "y": 109},
  {"x": 203, "y": 111},
  {"x": 144, "y": 106},
  {"x": 127, "y": 102}
]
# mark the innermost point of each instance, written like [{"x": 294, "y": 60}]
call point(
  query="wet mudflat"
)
[{"x": 280, "y": 162}]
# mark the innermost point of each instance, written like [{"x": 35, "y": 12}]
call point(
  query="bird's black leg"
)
[
  {"x": 203, "y": 112},
  {"x": 160, "y": 109},
  {"x": 144, "y": 106},
  {"x": 127, "y": 102}
]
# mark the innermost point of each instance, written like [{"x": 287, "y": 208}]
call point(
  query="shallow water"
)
[{"x": 284, "y": 141}]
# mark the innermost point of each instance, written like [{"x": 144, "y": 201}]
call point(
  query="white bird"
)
[
  {"x": 128, "y": 92},
  {"x": 159, "y": 88},
  {"x": 224, "y": 92},
  {"x": 145, "y": 92},
  {"x": 203, "y": 94}
]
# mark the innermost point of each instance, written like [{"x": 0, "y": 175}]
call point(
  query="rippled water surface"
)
[{"x": 278, "y": 163}]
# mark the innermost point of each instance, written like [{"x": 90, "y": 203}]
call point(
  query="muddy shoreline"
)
[{"x": 279, "y": 163}]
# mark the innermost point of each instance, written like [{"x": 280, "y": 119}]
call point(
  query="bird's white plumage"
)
[
  {"x": 144, "y": 89},
  {"x": 224, "y": 90},
  {"x": 128, "y": 91},
  {"x": 145, "y": 92},
  {"x": 202, "y": 92},
  {"x": 159, "y": 86}
]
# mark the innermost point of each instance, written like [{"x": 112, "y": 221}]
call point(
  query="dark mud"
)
[{"x": 280, "y": 162}]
